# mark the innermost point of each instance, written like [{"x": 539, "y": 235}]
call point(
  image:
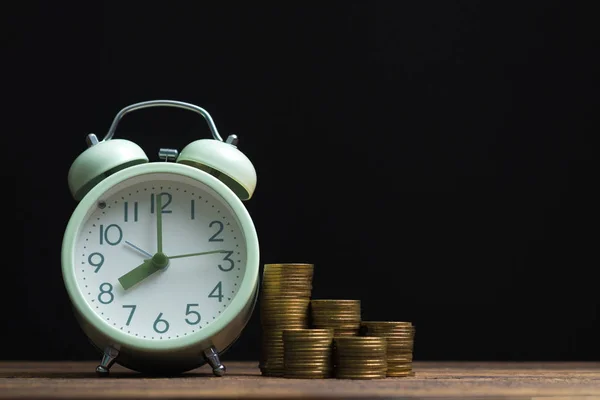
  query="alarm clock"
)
[{"x": 160, "y": 259}]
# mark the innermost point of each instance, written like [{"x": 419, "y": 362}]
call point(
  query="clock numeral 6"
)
[
  {"x": 113, "y": 238},
  {"x": 228, "y": 259},
  {"x": 196, "y": 314},
  {"x": 106, "y": 295},
  {"x": 163, "y": 323},
  {"x": 217, "y": 292}
]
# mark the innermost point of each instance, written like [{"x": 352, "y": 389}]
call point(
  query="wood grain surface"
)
[{"x": 69, "y": 380}]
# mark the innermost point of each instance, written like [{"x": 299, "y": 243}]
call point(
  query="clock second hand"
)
[{"x": 198, "y": 254}]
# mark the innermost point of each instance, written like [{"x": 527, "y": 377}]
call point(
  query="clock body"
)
[{"x": 203, "y": 298}]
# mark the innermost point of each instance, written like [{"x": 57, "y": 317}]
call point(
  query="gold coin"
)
[
  {"x": 361, "y": 376},
  {"x": 360, "y": 340},
  {"x": 365, "y": 365},
  {"x": 301, "y": 333},
  {"x": 355, "y": 322},
  {"x": 336, "y": 327},
  {"x": 327, "y": 302},
  {"x": 400, "y": 374}
]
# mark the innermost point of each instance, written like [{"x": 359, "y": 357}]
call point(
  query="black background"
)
[{"x": 432, "y": 159}]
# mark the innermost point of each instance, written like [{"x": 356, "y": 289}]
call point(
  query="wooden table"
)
[{"x": 67, "y": 380}]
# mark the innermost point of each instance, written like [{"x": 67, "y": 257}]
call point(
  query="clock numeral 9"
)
[
  {"x": 220, "y": 228},
  {"x": 164, "y": 202},
  {"x": 97, "y": 264},
  {"x": 217, "y": 292},
  {"x": 106, "y": 236},
  {"x": 162, "y": 322},
  {"x": 106, "y": 295},
  {"x": 228, "y": 259},
  {"x": 196, "y": 314}
]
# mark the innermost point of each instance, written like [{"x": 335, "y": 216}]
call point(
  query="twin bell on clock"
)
[
  {"x": 161, "y": 259},
  {"x": 215, "y": 156}
]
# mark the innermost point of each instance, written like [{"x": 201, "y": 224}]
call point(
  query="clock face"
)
[{"x": 199, "y": 234}]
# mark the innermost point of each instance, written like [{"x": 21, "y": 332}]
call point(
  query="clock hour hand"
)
[
  {"x": 133, "y": 246},
  {"x": 144, "y": 270}
]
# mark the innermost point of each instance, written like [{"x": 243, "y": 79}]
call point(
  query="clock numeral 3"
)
[
  {"x": 97, "y": 264},
  {"x": 163, "y": 323},
  {"x": 133, "y": 307},
  {"x": 106, "y": 295},
  {"x": 214, "y": 237},
  {"x": 217, "y": 292},
  {"x": 165, "y": 203},
  {"x": 196, "y": 314},
  {"x": 106, "y": 236},
  {"x": 228, "y": 259}
]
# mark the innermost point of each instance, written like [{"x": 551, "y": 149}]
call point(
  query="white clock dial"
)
[{"x": 120, "y": 233}]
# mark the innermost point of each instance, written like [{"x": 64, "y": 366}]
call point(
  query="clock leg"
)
[
  {"x": 108, "y": 359},
  {"x": 212, "y": 357}
]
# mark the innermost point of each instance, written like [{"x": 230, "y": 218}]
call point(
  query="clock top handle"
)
[{"x": 163, "y": 103}]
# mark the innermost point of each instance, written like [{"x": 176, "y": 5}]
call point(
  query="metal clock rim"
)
[{"x": 247, "y": 286}]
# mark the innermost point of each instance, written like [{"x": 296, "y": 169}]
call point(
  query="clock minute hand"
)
[
  {"x": 198, "y": 254},
  {"x": 158, "y": 224}
]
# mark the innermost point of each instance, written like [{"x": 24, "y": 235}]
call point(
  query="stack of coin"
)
[
  {"x": 343, "y": 316},
  {"x": 284, "y": 304},
  {"x": 400, "y": 342},
  {"x": 360, "y": 357},
  {"x": 307, "y": 353}
]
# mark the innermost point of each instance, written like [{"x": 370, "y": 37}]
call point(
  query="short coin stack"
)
[
  {"x": 307, "y": 353},
  {"x": 400, "y": 340},
  {"x": 343, "y": 316},
  {"x": 284, "y": 304},
  {"x": 360, "y": 357}
]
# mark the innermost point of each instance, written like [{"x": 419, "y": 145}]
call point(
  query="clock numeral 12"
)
[
  {"x": 217, "y": 292},
  {"x": 164, "y": 202},
  {"x": 126, "y": 211}
]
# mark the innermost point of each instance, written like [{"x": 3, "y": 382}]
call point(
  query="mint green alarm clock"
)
[{"x": 160, "y": 259}]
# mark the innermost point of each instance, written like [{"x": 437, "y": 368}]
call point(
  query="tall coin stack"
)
[
  {"x": 307, "y": 353},
  {"x": 284, "y": 303},
  {"x": 400, "y": 340},
  {"x": 343, "y": 316},
  {"x": 360, "y": 357}
]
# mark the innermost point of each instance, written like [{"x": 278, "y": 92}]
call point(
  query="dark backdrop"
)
[{"x": 431, "y": 158}]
